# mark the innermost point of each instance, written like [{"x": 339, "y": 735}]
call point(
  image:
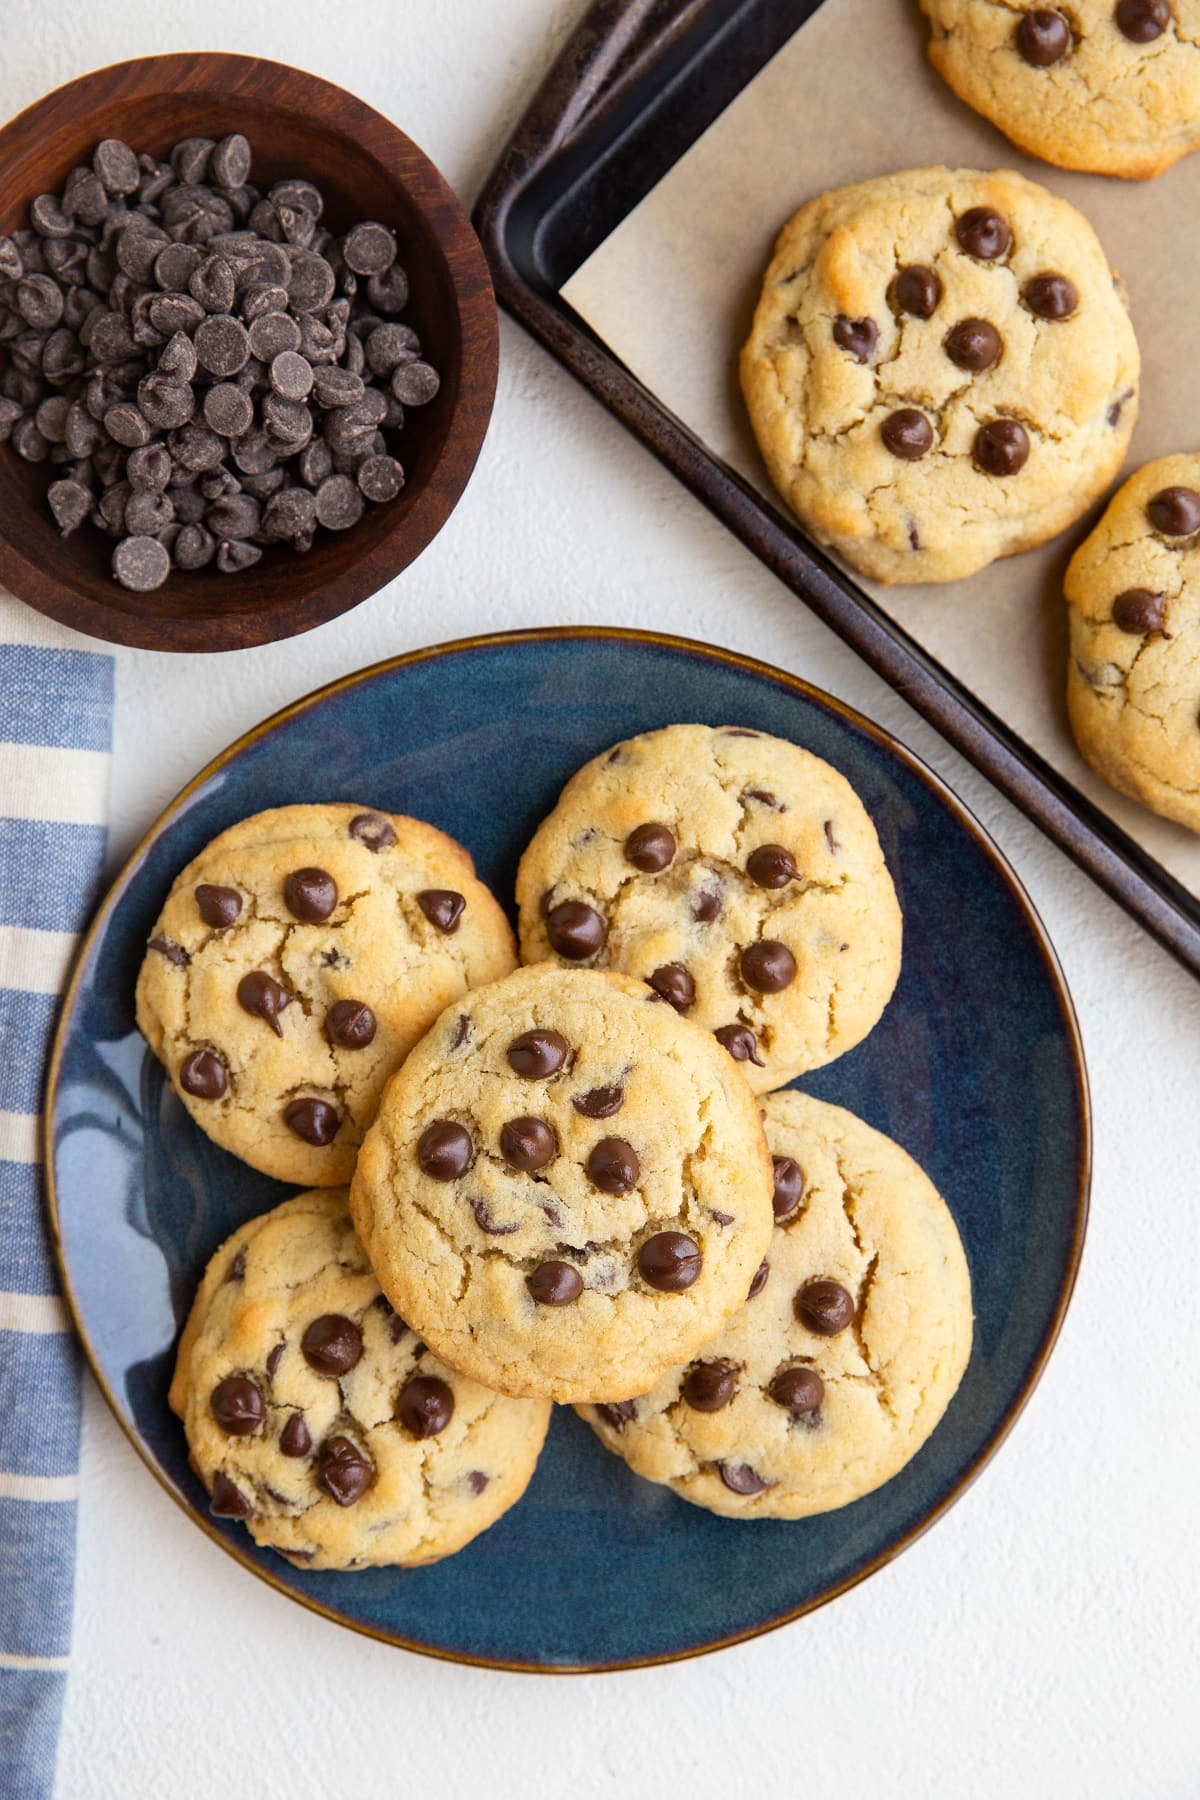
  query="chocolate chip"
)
[
  {"x": 983, "y": 233},
  {"x": 343, "y": 1471},
  {"x": 1050, "y": 296},
  {"x": 140, "y": 564},
  {"x": 907, "y": 433},
  {"x": 537, "y": 1054},
  {"x": 117, "y": 166},
  {"x": 369, "y": 249},
  {"x": 763, "y": 797},
  {"x": 798, "y": 1390},
  {"x": 445, "y": 1150},
  {"x": 1001, "y": 447},
  {"x": 527, "y": 1144},
  {"x": 379, "y": 478},
  {"x": 617, "y": 1413},
  {"x": 274, "y": 1358},
  {"x": 415, "y": 383},
  {"x": 486, "y": 1223},
  {"x": 824, "y": 1306},
  {"x": 830, "y": 839},
  {"x": 740, "y": 1478},
  {"x": 228, "y": 410},
  {"x": 670, "y": 1261},
  {"x": 771, "y": 866},
  {"x": 857, "y": 336},
  {"x": 442, "y": 907},
  {"x": 1139, "y": 611},
  {"x": 237, "y": 1272},
  {"x": 203, "y": 1075},
  {"x": 767, "y": 966},
  {"x": 789, "y": 1186},
  {"x": 675, "y": 984},
  {"x": 237, "y": 1406},
  {"x": 425, "y": 1406},
  {"x": 316, "y": 1121},
  {"x": 228, "y": 1501},
  {"x": 262, "y": 995},
  {"x": 555, "y": 1284},
  {"x": 706, "y": 906},
  {"x": 332, "y": 1344},
  {"x": 339, "y": 503},
  {"x": 1175, "y": 511},
  {"x": 600, "y": 1102},
  {"x": 462, "y": 1031},
  {"x": 373, "y": 830},
  {"x": 477, "y": 1480},
  {"x": 310, "y": 894},
  {"x": 1141, "y": 21},
  {"x": 758, "y": 1280},
  {"x": 222, "y": 345},
  {"x": 1043, "y": 38},
  {"x": 916, "y": 290},
  {"x": 973, "y": 345},
  {"x": 650, "y": 848},
  {"x": 174, "y": 953},
  {"x": 70, "y": 502},
  {"x": 613, "y": 1166},
  {"x": 295, "y": 1439},
  {"x": 575, "y": 931},
  {"x": 350, "y": 1024},
  {"x": 708, "y": 1386},
  {"x": 740, "y": 1042}
]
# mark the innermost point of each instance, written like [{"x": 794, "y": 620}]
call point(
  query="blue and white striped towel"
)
[{"x": 55, "y": 743}]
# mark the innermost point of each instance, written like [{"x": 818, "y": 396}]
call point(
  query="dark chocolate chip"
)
[
  {"x": 274, "y": 1358},
  {"x": 350, "y": 1024},
  {"x": 537, "y": 1054},
  {"x": 262, "y": 995},
  {"x": 740, "y": 1042},
  {"x": 916, "y": 290},
  {"x": 1043, "y": 38},
  {"x": 1175, "y": 511},
  {"x": 575, "y": 931},
  {"x": 555, "y": 1284},
  {"x": 1001, "y": 447},
  {"x": 373, "y": 830},
  {"x": 442, "y": 907},
  {"x": 983, "y": 233},
  {"x": 617, "y": 1413},
  {"x": 343, "y": 1471},
  {"x": 824, "y": 1306},
  {"x": 1141, "y": 21},
  {"x": 771, "y": 866},
  {"x": 1139, "y": 611},
  {"x": 1050, "y": 296},
  {"x": 798, "y": 1390},
  {"x": 445, "y": 1150},
  {"x": 425, "y": 1406},
  {"x": 675, "y": 985},
  {"x": 486, "y": 1223},
  {"x": 316, "y": 1121},
  {"x": 204, "y": 1075},
  {"x": 613, "y": 1166},
  {"x": 907, "y": 433},
  {"x": 789, "y": 1186},
  {"x": 310, "y": 894},
  {"x": 332, "y": 1344},
  {"x": 527, "y": 1144},
  {"x": 600, "y": 1102},
  {"x": 973, "y": 345},
  {"x": 856, "y": 336},
  {"x": 650, "y": 848},
  {"x": 174, "y": 953},
  {"x": 740, "y": 1478},
  {"x": 369, "y": 248},
  {"x": 477, "y": 1480},
  {"x": 758, "y": 1280},
  {"x": 237, "y": 1406},
  {"x": 670, "y": 1261},
  {"x": 140, "y": 564},
  {"x": 708, "y": 1386},
  {"x": 767, "y": 966},
  {"x": 228, "y": 1501},
  {"x": 237, "y": 1272},
  {"x": 706, "y": 906},
  {"x": 462, "y": 1031},
  {"x": 295, "y": 1439}
]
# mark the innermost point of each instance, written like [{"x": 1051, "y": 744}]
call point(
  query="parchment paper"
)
[{"x": 671, "y": 292}]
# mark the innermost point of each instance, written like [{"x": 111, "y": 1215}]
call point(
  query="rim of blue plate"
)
[{"x": 962, "y": 815}]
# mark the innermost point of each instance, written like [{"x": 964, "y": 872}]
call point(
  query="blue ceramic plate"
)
[{"x": 976, "y": 1068}]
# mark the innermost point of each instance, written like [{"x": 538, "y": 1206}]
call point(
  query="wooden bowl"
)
[{"x": 366, "y": 169}]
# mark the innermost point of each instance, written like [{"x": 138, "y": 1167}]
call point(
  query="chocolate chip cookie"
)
[
  {"x": 1114, "y": 88},
  {"x": 1133, "y": 678},
  {"x": 847, "y": 1353},
  {"x": 737, "y": 874},
  {"x": 941, "y": 370},
  {"x": 296, "y": 962},
  {"x": 567, "y": 1189},
  {"x": 317, "y": 1416}
]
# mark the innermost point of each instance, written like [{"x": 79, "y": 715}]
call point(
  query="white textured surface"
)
[{"x": 1041, "y": 1641}]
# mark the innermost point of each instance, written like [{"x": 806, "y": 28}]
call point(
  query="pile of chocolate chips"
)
[{"x": 208, "y": 367}]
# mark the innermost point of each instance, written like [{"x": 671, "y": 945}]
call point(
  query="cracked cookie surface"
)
[
  {"x": 295, "y": 963},
  {"x": 1133, "y": 675},
  {"x": 567, "y": 1188},
  {"x": 738, "y": 874},
  {"x": 847, "y": 1354},
  {"x": 1109, "y": 87},
  {"x": 316, "y": 1415},
  {"x": 941, "y": 370}
]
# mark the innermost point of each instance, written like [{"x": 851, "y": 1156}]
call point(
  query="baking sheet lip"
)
[{"x": 1120, "y": 868}]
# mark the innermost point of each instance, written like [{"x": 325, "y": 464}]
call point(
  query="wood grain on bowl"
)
[{"x": 366, "y": 169}]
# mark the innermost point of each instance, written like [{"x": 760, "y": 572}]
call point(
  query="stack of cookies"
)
[{"x": 564, "y": 1183}]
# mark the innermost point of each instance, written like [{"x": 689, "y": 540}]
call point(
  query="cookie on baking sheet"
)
[
  {"x": 1133, "y": 678},
  {"x": 941, "y": 370},
  {"x": 296, "y": 962},
  {"x": 567, "y": 1188},
  {"x": 737, "y": 874},
  {"x": 313, "y": 1412},
  {"x": 848, "y": 1352},
  {"x": 1110, "y": 87}
]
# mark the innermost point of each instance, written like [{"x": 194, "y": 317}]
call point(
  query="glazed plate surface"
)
[{"x": 975, "y": 1068}]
